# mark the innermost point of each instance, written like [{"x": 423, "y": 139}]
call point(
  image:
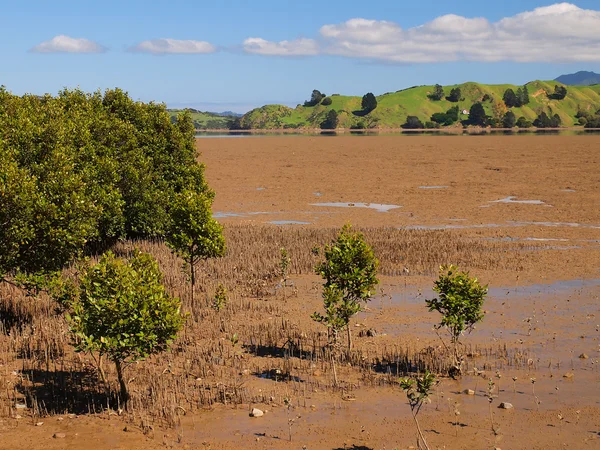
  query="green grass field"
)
[{"x": 393, "y": 108}]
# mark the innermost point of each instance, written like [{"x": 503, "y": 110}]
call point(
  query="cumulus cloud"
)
[
  {"x": 173, "y": 46},
  {"x": 66, "y": 44},
  {"x": 297, "y": 47},
  {"x": 561, "y": 32}
]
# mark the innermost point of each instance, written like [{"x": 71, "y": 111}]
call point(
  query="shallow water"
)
[
  {"x": 513, "y": 199},
  {"x": 376, "y": 206},
  {"x": 288, "y": 222}
]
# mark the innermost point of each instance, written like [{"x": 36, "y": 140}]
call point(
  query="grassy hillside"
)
[
  {"x": 206, "y": 120},
  {"x": 393, "y": 108}
]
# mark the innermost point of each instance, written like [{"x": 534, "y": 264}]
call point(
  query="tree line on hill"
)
[{"x": 501, "y": 118}]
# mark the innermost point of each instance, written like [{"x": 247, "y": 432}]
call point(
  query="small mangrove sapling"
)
[
  {"x": 417, "y": 391},
  {"x": 460, "y": 302}
]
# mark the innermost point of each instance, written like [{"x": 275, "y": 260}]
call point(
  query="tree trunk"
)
[
  {"x": 349, "y": 339},
  {"x": 101, "y": 370},
  {"x": 419, "y": 430},
  {"x": 122, "y": 384},
  {"x": 193, "y": 277}
]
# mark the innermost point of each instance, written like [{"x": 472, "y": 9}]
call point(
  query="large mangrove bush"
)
[{"x": 80, "y": 171}]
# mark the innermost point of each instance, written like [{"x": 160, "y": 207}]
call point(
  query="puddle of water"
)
[
  {"x": 223, "y": 215},
  {"x": 513, "y": 199},
  {"x": 288, "y": 222},
  {"x": 568, "y": 190},
  {"x": 260, "y": 188},
  {"x": 376, "y": 206},
  {"x": 433, "y": 187},
  {"x": 317, "y": 194},
  {"x": 555, "y": 224},
  {"x": 547, "y": 288}
]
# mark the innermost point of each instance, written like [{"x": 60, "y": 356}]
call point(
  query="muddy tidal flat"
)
[{"x": 522, "y": 213}]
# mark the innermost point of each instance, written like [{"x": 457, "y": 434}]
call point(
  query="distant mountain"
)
[
  {"x": 580, "y": 79},
  {"x": 226, "y": 114}
]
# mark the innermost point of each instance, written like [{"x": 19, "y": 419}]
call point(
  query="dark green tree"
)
[
  {"x": 315, "y": 98},
  {"x": 369, "y": 102},
  {"x": 477, "y": 115},
  {"x": 326, "y": 101},
  {"x": 331, "y": 120},
  {"x": 560, "y": 92},
  {"x": 455, "y": 95},
  {"x": 453, "y": 114},
  {"x": 124, "y": 312},
  {"x": 413, "y": 123},
  {"x": 510, "y": 98},
  {"x": 509, "y": 120},
  {"x": 522, "y": 122},
  {"x": 439, "y": 117},
  {"x": 438, "y": 93}
]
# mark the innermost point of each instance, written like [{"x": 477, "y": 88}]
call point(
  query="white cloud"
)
[
  {"x": 66, "y": 44},
  {"x": 173, "y": 46},
  {"x": 298, "y": 47},
  {"x": 561, "y": 32}
]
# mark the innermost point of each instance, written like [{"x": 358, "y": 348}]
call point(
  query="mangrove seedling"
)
[
  {"x": 460, "y": 302},
  {"x": 350, "y": 274},
  {"x": 417, "y": 391}
]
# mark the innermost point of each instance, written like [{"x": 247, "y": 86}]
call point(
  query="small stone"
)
[
  {"x": 18, "y": 416},
  {"x": 60, "y": 419},
  {"x": 506, "y": 405},
  {"x": 21, "y": 406},
  {"x": 583, "y": 356},
  {"x": 317, "y": 373},
  {"x": 256, "y": 413},
  {"x": 569, "y": 375},
  {"x": 59, "y": 435},
  {"x": 469, "y": 392},
  {"x": 39, "y": 424}
]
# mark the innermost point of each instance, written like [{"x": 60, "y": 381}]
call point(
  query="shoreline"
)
[{"x": 379, "y": 131}]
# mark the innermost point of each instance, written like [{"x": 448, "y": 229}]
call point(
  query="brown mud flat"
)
[{"x": 543, "y": 311}]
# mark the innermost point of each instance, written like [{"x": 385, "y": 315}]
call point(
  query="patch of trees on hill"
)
[{"x": 516, "y": 100}]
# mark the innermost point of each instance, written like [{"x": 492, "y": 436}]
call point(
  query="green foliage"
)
[
  {"x": 417, "y": 392},
  {"x": 81, "y": 170},
  {"x": 220, "y": 298},
  {"x": 206, "y": 120},
  {"x": 455, "y": 95},
  {"x": 560, "y": 92},
  {"x": 509, "y": 120},
  {"x": 413, "y": 123},
  {"x": 510, "y": 98},
  {"x": 393, "y": 108},
  {"x": 315, "y": 99},
  {"x": 459, "y": 302},
  {"x": 593, "y": 122},
  {"x": 369, "y": 102},
  {"x": 477, "y": 115},
  {"x": 123, "y": 311},
  {"x": 193, "y": 234},
  {"x": 284, "y": 264},
  {"x": 544, "y": 121},
  {"x": 331, "y": 121},
  {"x": 327, "y": 101},
  {"x": 418, "y": 389},
  {"x": 350, "y": 274},
  {"x": 437, "y": 94},
  {"x": 522, "y": 122}
]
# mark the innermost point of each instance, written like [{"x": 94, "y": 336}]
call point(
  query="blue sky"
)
[{"x": 241, "y": 54}]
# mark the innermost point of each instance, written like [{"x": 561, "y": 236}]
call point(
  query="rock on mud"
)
[
  {"x": 506, "y": 405},
  {"x": 583, "y": 356},
  {"x": 569, "y": 375},
  {"x": 59, "y": 435},
  {"x": 469, "y": 392},
  {"x": 256, "y": 413}
]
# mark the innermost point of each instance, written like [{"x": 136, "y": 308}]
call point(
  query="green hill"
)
[
  {"x": 393, "y": 108},
  {"x": 206, "y": 120}
]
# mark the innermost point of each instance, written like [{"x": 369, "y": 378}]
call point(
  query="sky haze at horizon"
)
[{"x": 246, "y": 54}]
